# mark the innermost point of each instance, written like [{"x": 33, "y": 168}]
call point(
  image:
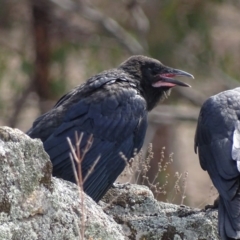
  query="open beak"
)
[{"x": 166, "y": 79}]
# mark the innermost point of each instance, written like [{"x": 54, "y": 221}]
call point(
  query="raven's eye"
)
[{"x": 154, "y": 71}]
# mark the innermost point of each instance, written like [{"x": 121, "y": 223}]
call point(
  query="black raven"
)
[
  {"x": 111, "y": 106},
  {"x": 217, "y": 140}
]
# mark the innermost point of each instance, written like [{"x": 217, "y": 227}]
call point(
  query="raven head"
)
[{"x": 155, "y": 79}]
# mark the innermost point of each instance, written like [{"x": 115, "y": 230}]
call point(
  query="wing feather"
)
[{"x": 117, "y": 120}]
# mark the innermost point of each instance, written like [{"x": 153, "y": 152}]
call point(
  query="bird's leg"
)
[{"x": 214, "y": 205}]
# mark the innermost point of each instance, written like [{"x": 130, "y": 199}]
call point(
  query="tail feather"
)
[{"x": 228, "y": 224}]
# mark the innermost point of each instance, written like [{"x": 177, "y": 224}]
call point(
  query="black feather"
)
[
  {"x": 214, "y": 141},
  {"x": 112, "y": 108}
]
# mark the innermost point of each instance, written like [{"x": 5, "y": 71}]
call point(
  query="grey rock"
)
[
  {"x": 143, "y": 217},
  {"x": 34, "y": 205}
]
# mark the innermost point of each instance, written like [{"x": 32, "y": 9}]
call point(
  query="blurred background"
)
[{"x": 48, "y": 47}]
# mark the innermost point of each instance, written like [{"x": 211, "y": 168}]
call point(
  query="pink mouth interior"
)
[
  {"x": 168, "y": 75},
  {"x": 165, "y": 84}
]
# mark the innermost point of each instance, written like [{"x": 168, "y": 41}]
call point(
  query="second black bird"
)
[
  {"x": 217, "y": 141},
  {"x": 111, "y": 106}
]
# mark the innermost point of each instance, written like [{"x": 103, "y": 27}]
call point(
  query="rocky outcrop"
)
[
  {"x": 34, "y": 205},
  {"x": 142, "y": 217}
]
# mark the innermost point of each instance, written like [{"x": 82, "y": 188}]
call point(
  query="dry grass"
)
[
  {"x": 173, "y": 186},
  {"x": 137, "y": 172}
]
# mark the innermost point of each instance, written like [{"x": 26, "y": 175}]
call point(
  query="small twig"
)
[
  {"x": 74, "y": 170},
  {"x": 88, "y": 146},
  {"x": 184, "y": 187},
  {"x": 91, "y": 169},
  {"x": 78, "y": 141},
  {"x": 77, "y": 157},
  {"x": 78, "y": 178},
  {"x": 159, "y": 165},
  {"x": 176, "y": 185}
]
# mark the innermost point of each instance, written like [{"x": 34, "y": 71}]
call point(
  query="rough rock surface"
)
[
  {"x": 142, "y": 217},
  {"x": 33, "y": 205}
]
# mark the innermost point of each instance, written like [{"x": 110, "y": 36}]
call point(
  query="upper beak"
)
[{"x": 167, "y": 78}]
